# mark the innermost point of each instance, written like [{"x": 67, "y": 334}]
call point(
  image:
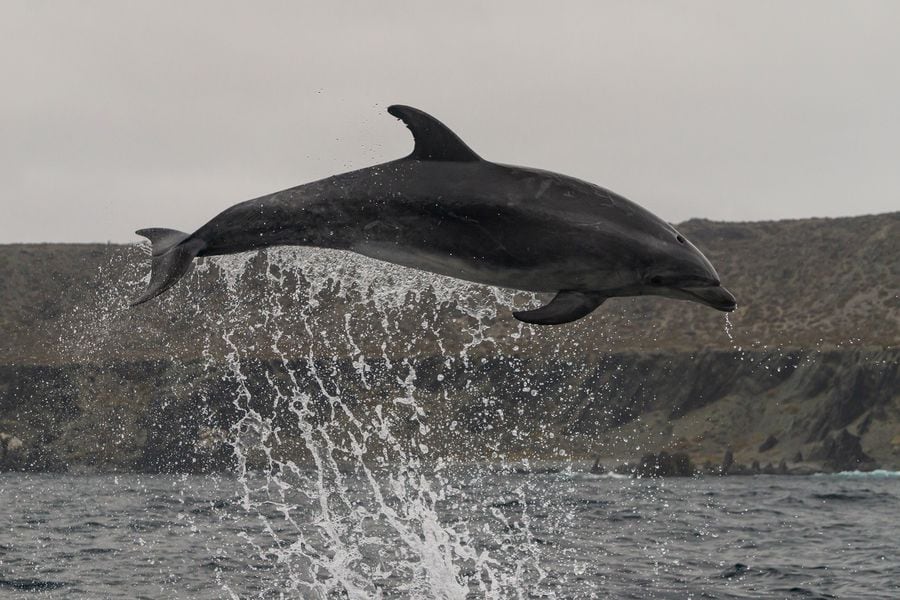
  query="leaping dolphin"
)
[{"x": 446, "y": 210}]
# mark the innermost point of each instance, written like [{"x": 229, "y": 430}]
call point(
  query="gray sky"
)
[{"x": 119, "y": 115}]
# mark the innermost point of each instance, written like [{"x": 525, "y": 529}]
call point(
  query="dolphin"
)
[{"x": 446, "y": 210}]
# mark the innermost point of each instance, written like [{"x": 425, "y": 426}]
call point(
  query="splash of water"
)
[
  {"x": 353, "y": 508},
  {"x": 729, "y": 329},
  {"x": 348, "y": 392}
]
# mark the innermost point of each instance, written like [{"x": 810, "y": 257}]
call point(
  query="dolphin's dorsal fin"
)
[
  {"x": 566, "y": 307},
  {"x": 434, "y": 140}
]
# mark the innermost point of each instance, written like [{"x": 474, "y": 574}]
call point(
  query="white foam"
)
[
  {"x": 876, "y": 474},
  {"x": 395, "y": 537}
]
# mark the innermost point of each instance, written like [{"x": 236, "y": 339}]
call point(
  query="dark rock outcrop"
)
[
  {"x": 149, "y": 415},
  {"x": 727, "y": 462},
  {"x": 842, "y": 451},
  {"x": 770, "y": 443},
  {"x": 809, "y": 353},
  {"x": 10, "y": 452},
  {"x": 664, "y": 464}
]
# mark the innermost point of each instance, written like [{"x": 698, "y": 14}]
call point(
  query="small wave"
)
[
  {"x": 840, "y": 496},
  {"x": 735, "y": 571},
  {"x": 98, "y": 551},
  {"x": 740, "y": 570},
  {"x": 802, "y": 592},
  {"x": 624, "y": 516},
  {"x": 30, "y": 585},
  {"x": 609, "y": 475},
  {"x": 876, "y": 474},
  {"x": 514, "y": 503}
]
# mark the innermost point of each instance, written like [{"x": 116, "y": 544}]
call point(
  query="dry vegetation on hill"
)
[{"x": 811, "y": 350}]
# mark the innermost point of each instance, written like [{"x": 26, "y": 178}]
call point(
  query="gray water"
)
[
  {"x": 337, "y": 490},
  {"x": 565, "y": 535}
]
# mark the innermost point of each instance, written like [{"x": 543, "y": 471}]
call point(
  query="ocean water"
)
[
  {"x": 562, "y": 534},
  {"x": 338, "y": 491}
]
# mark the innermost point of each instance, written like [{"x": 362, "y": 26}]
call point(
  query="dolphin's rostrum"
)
[{"x": 446, "y": 210}]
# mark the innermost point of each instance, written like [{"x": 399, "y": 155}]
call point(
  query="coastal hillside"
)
[
  {"x": 811, "y": 353},
  {"x": 809, "y": 283}
]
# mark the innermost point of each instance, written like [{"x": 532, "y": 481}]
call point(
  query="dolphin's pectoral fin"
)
[
  {"x": 566, "y": 307},
  {"x": 434, "y": 140}
]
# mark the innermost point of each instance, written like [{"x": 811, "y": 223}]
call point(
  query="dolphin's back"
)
[{"x": 488, "y": 223}]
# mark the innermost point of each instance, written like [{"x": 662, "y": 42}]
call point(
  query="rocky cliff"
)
[{"x": 304, "y": 336}]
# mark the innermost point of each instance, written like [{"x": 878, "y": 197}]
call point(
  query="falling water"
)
[
  {"x": 338, "y": 449},
  {"x": 374, "y": 432},
  {"x": 729, "y": 328}
]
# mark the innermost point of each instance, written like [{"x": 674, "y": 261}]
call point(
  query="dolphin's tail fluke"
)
[{"x": 172, "y": 255}]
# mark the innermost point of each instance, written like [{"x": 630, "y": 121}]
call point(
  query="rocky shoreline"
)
[
  {"x": 834, "y": 410},
  {"x": 804, "y": 375},
  {"x": 838, "y": 453}
]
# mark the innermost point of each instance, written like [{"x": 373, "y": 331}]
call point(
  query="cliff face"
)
[
  {"x": 162, "y": 415},
  {"x": 811, "y": 351}
]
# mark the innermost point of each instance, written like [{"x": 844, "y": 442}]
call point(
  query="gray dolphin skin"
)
[{"x": 444, "y": 209}]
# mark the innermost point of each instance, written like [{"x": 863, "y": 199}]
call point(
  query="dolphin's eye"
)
[
  {"x": 656, "y": 280},
  {"x": 680, "y": 239}
]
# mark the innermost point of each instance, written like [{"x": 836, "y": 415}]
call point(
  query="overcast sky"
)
[{"x": 119, "y": 115}]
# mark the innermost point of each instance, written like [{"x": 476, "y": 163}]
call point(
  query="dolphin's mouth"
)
[{"x": 715, "y": 296}]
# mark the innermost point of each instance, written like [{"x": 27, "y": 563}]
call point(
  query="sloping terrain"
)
[{"x": 811, "y": 350}]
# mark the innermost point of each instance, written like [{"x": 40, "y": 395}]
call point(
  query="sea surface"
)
[{"x": 560, "y": 534}]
